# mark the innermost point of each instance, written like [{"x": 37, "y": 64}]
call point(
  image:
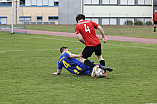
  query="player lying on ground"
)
[{"x": 73, "y": 65}]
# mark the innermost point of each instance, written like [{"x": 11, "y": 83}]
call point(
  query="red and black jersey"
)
[
  {"x": 87, "y": 29},
  {"x": 155, "y": 17}
]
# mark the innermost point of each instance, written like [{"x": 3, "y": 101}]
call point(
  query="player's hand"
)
[
  {"x": 54, "y": 73},
  {"x": 104, "y": 40},
  {"x": 80, "y": 54}
]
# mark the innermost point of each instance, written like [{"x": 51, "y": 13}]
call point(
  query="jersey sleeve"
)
[
  {"x": 59, "y": 66},
  {"x": 95, "y": 25},
  {"x": 77, "y": 30}
]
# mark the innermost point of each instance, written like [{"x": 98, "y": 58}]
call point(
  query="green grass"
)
[
  {"x": 131, "y": 31},
  {"x": 28, "y": 61}
]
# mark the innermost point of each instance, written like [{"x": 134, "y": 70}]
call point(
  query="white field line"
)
[
  {"x": 79, "y": 48},
  {"x": 56, "y": 39},
  {"x": 6, "y": 38},
  {"x": 28, "y": 50},
  {"x": 36, "y": 50},
  {"x": 108, "y": 44}
]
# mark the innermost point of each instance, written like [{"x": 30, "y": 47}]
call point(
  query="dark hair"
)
[
  {"x": 62, "y": 49},
  {"x": 79, "y": 17}
]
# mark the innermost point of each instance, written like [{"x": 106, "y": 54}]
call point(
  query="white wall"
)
[{"x": 118, "y": 11}]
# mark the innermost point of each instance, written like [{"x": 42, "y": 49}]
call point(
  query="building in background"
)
[
  {"x": 68, "y": 9},
  {"x": 109, "y": 12},
  {"x": 30, "y": 11},
  {"x": 103, "y": 12},
  {"x": 117, "y": 12}
]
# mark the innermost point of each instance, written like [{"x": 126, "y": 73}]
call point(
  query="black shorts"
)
[
  {"x": 88, "y": 51},
  {"x": 155, "y": 22}
]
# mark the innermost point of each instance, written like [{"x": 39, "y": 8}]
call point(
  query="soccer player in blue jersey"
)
[{"x": 73, "y": 65}]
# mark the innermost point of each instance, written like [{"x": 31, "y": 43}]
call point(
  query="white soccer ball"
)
[{"x": 99, "y": 73}]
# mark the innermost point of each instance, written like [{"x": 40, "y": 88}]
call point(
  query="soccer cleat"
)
[
  {"x": 105, "y": 74},
  {"x": 106, "y": 68},
  {"x": 94, "y": 70}
]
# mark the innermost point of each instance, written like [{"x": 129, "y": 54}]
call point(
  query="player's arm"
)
[
  {"x": 102, "y": 33},
  {"x": 69, "y": 54},
  {"x": 75, "y": 56},
  {"x": 79, "y": 36}
]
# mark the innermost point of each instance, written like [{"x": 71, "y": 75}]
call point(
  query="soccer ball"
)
[{"x": 99, "y": 73}]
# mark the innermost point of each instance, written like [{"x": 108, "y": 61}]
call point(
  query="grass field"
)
[{"x": 28, "y": 61}]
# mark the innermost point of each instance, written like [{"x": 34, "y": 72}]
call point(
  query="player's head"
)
[
  {"x": 62, "y": 49},
  {"x": 155, "y": 11},
  {"x": 79, "y": 17}
]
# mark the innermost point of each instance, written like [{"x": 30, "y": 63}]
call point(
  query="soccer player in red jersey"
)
[
  {"x": 85, "y": 31},
  {"x": 155, "y": 20}
]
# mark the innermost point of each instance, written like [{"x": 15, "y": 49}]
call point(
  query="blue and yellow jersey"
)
[{"x": 73, "y": 65}]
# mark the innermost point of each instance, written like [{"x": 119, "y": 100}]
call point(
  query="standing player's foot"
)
[{"x": 106, "y": 68}]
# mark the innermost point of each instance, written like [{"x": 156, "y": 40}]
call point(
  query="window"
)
[
  {"x": 113, "y": 21},
  {"x": 141, "y": 2},
  {"x": 147, "y": 19},
  {"x": 22, "y": 2},
  {"x": 53, "y": 18},
  {"x": 148, "y": 2},
  {"x": 105, "y": 21},
  {"x": 87, "y": 18},
  {"x": 105, "y": 2},
  {"x": 155, "y": 2},
  {"x": 56, "y": 3},
  {"x": 3, "y": 20},
  {"x": 91, "y": 1},
  {"x": 9, "y": 3},
  {"x": 144, "y": 2},
  {"x": 39, "y": 18},
  {"x": 109, "y": 21},
  {"x": 87, "y": 2},
  {"x": 122, "y": 21},
  {"x": 127, "y": 2},
  {"x": 25, "y": 18},
  {"x": 34, "y": 2},
  {"x": 129, "y": 21},
  {"x": 39, "y": 3},
  {"x": 5, "y": 4},
  {"x": 95, "y": 1},
  {"x": 96, "y": 20},
  {"x": 109, "y": 1},
  {"x": 113, "y": 1},
  {"x": 123, "y": 2}
]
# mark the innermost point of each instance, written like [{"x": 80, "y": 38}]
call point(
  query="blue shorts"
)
[{"x": 87, "y": 70}]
